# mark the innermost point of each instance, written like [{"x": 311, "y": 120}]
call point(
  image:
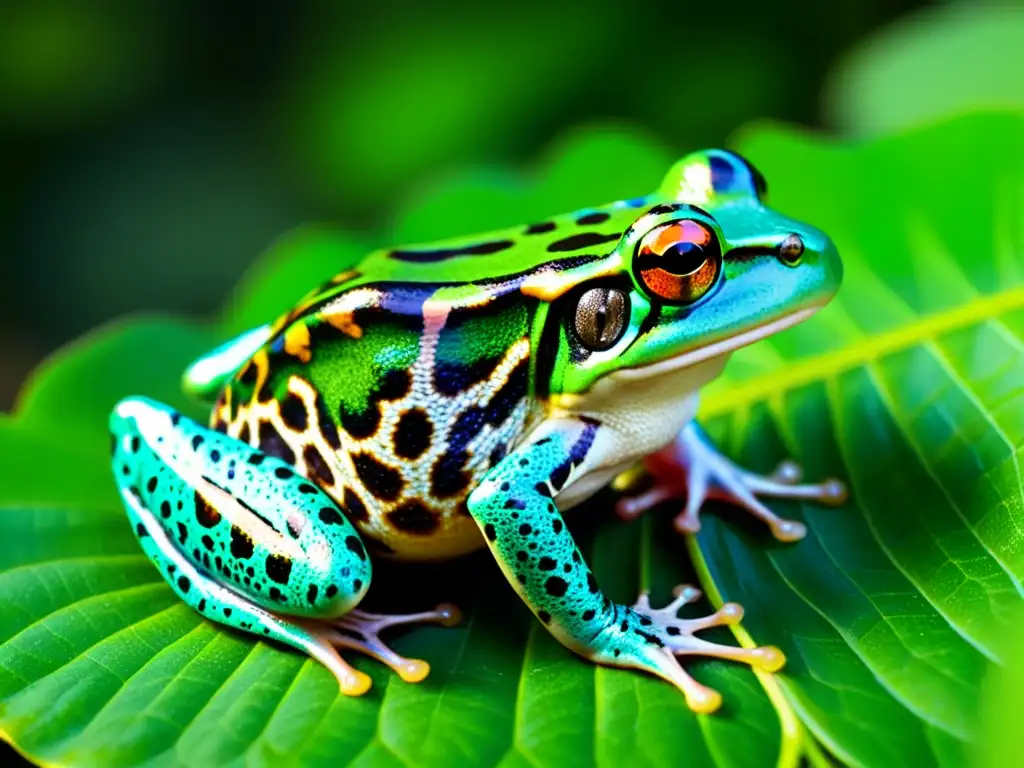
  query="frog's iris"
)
[{"x": 679, "y": 261}]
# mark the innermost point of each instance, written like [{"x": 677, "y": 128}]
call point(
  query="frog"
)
[{"x": 465, "y": 394}]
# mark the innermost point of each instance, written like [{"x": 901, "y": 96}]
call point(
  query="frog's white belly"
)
[{"x": 638, "y": 417}]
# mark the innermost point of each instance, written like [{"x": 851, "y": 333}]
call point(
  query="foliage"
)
[
  {"x": 909, "y": 386},
  {"x": 944, "y": 59}
]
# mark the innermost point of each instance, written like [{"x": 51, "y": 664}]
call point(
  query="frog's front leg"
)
[
  {"x": 248, "y": 543},
  {"x": 691, "y": 467},
  {"x": 515, "y": 508}
]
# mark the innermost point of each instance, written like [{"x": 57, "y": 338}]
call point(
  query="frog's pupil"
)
[{"x": 683, "y": 258}]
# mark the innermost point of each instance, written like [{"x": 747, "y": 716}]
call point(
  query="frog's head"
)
[{"x": 707, "y": 268}]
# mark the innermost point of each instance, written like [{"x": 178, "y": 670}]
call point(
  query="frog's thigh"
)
[{"x": 180, "y": 527}]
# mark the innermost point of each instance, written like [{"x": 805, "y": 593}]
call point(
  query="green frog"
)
[{"x": 440, "y": 398}]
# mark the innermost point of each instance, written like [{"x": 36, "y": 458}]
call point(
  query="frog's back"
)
[{"x": 398, "y": 384}]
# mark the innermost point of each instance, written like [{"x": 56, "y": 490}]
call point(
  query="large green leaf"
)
[
  {"x": 909, "y": 386},
  {"x": 944, "y": 59}
]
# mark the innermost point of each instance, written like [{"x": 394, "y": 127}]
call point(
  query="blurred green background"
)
[{"x": 150, "y": 150}]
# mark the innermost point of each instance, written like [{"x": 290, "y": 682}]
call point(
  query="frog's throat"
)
[{"x": 717, "y": 349}]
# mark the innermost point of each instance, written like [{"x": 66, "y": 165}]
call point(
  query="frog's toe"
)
[{"x": 360, "y": 631}]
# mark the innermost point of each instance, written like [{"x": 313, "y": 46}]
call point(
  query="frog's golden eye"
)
[
  {"x": 601, "y": 317},
  {"x": 679, "y": 261}
]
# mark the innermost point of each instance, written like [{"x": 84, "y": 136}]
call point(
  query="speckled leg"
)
[
  {"x": 514, "y": 507},
  {"x": 692, "y": 467},
  {"x": 249, "y": 543}
]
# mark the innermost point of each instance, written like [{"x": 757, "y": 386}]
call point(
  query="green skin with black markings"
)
[{"x": 440, "y": 397}]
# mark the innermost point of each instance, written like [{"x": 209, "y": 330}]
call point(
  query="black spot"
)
[
  {"x": 357, "y": 584},
  {"x": 593, "y": 218},
  {"x": 672, "y": 630},
  {"x": 454, "y": 378},
  {"x": 412, "y": 434},
  {"x": 196, "y": 442},
  {"x": 521, "y": 556},
  {"x": 547, "y": 564},
  {"x": 311, "y": 593},
  {"x": 625, "y": 626},
  {"x": 557, "y": 525},
  {"x": 544, "y": 616},
  {"x": 182, "y": 533},
  {"x": 207, "y": 542},
  {"x": 151, "y": 484},
  {"x": 509, "y": 395},
  {"x": 184, "y": 584},
  {"x": 227, "y": 612},
  {"x": 515, "y": 504},
  {"x": 256, "y": 459},
  {"x": 567, "y": 567},
  {"x": 382, "y": 481},
  {"x": 543, "y": 489},
  {"x": 293, "y": 412},
  {"x": 331, "y": 590},
  {"x": 645, "y": 622},
  {"x": 326, "y": 424},
  {"x": 250, "y": 571},
  {"x": 414, "y": 517},
  {"x": 330, "y": 516},
  {"x": 556, "y": 586},
  {"x": 307, "y": 488},
  {"x": 651, "y": 639},
  {"x": 541, "y": 228},
  {"x": 582, "y": 240},
  {"x": 616, "y": 651},
  {"x": 316, "y": 466},
  {"x": 279, "y": 568},
  {"x": 591, "y": 582},
  {"x": 525, "y": 529},
  {"x": 202, "y": 605},
  {"x": 241, "y": 544},
  {"x": 165, "y": 509},
  {"x": 440, "y": 254},
  {"x": 395, "y": 385},
  {"x": 283, "y": 473},
  {"x": 214, "y": 455},
  {"x": 360, "y": 424},
  {"x": 140, "y": 531},
  {"x": 355, "y": 546},
  {"x": 272, "y": 444},
  {"x": 275, "y": 594},
  {"x": 490, "y": 533},
  {"x": 576, "y": 556},
  {"x": 588, "y": 614},
  {"x": 354, "y": 506}
]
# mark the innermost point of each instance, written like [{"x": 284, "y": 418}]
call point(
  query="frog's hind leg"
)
[
  {"x": 691, "y": 467},
  {"x": 205, "y": 377},
  {"x": 360, "y": 630},
  {"x": 227, "y": 607}
]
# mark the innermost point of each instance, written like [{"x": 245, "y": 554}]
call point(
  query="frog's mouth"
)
[{"x": 717, "y": 349}]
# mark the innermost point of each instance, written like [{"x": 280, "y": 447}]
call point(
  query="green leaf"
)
[
  {"x": 943, "y": 60},
  {"x": 909, "y": 387}
]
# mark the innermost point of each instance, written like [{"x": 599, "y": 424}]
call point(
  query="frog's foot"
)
[
  {"x": 677, "y": 639},
  {"x": 690, "y": 466},
  {"x": 360, "y": 631}
]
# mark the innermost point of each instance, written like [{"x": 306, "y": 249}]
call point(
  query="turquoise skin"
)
[{"x": 443, "y": 397}]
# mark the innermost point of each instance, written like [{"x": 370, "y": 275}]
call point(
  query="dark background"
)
[{"x": 150, "y": 150}]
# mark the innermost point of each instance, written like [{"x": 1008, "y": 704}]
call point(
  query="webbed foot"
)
[
  {"x": 677, "y": 637},
  {"x": 360, "y": 630},
  {"x": 691, "y": 467}
]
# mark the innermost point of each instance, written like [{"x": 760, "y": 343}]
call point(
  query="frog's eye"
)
[
  {"x": 790, "y": 250},
  {"x": 679, "y": 261},
  {"x": 601, "y": 315}
]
